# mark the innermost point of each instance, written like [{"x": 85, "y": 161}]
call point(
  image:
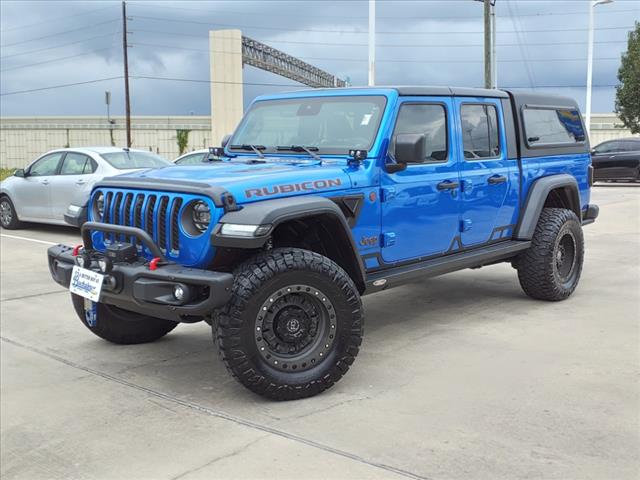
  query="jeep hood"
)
[{"x": 249, "y": 182}]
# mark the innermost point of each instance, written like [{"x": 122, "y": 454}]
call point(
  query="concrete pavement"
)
[{"x": 460, "y": 376}]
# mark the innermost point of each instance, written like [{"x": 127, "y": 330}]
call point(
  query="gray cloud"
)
[{"x": 419, "y": 42}]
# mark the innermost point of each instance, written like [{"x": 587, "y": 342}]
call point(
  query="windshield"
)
[
  {"x": 125, "y": 160},
  {"x": 333, "y": 125}
]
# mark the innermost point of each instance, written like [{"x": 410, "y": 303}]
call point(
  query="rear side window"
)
[
  {"x": 480, "y": 131},
  {"x": 552, "y": 126},
  {"x": 632, "y": 146},
  {"x": 428, "y": 120},
  {"x": 76, "y": 164}
]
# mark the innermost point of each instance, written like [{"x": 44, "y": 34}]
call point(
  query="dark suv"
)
[{"x": 617, "y": 159}]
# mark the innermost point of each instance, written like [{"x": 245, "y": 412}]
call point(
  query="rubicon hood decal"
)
[{"x": 292, "y": 187}]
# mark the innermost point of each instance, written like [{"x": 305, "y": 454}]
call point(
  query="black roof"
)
[{"x": 409, "y": 91}]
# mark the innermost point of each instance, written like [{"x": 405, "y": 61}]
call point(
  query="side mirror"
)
[
  {"x": 225, "y": 140},
  {"x": 593, "y": 151},
  {"x": 410, "y": 148},
  {"x": 19, "y": 173}
]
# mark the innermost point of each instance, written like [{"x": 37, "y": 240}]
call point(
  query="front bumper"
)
[
  {"x": 134, "y": 287},
  {"x": 76, "y": 218},
  {"x": 590, "y": 214}
]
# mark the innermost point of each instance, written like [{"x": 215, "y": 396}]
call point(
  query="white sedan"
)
[{"x": 55, "y": 188}]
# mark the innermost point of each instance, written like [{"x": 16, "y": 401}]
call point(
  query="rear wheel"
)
[
  {"x": 8, "y": 215},
  {"x": 550, "y": 269},
  {"x": 293, "y": 326},
  {"x": 120, "y": 326}
]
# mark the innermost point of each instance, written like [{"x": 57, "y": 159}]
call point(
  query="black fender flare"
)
[
  {"x": 536, "y": 198},
  {"x": 277, "y": 211}
]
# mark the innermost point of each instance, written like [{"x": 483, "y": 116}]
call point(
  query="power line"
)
[
  {"x": 51, "y": 20},
  {"x": 202, "y": 50},
  {"x": 55, "y": 46},
  {"x": 404, "y": 32},
  {"x": 59, "y": 33},
  {"x": 380, "y": 17},
  {"x": 52, "y": 87},
  {"x": 203, "y": 36},
  {"x": 59, "y": 59}
]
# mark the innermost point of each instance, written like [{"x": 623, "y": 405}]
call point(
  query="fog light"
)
[
  {"x": 83, "y": 261},
  {"x": 105, "y": 265},
  {"x": 179, "y": 292}
]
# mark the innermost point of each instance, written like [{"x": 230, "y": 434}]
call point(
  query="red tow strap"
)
[
  {"x": 76, "y": 250},
  {"x": 153, "y": 264}
]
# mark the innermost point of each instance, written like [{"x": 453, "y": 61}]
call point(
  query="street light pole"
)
[
  {"x": 592, "y": 6},
  {"x": 372, "y": 43}
]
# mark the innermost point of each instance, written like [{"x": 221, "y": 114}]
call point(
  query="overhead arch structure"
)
[{"x": 229, "y": 51}]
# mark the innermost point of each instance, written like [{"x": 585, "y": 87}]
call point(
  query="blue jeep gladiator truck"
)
[{"x": 320, "y": 197}]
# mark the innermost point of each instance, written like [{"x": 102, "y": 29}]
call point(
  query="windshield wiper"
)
[
  {"x": 256, "y": 148},
  {"x": 301, "y": 148}
]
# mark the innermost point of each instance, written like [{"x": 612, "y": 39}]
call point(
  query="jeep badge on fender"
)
[{"x": 275, "y": 244}]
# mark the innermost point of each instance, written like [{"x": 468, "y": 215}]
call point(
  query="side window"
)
[
  {"x": 47, "y": 165},
  {"x": 427, "y": 119},
  {"x": 194, "y": 159},
  {"x": 480, "y": 135},
  {"x": 76, "y": 164},
  {"x": 547, "y": 126},
  {"x": 604, "y": 147},
  {"x": 632, "y": 146}
]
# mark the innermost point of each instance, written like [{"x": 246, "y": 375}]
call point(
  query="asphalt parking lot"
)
[{"x": 460, "y": 377}]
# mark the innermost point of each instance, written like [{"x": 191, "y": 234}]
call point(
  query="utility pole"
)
[
  {"x": 487, "y": 43},
  {"x": 592, "y": 6},
  {"x": 494, "y": 58},
  {"x": 372, "y": 43},
  {"x": 127, "y": 105}
]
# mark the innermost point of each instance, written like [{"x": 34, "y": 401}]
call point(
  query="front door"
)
[
  {"x": 486, "y": 174},
  {"x": 33, "y": 194},
  {"x": 420, "y": 205}
]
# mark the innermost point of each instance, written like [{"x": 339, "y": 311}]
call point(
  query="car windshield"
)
[
  {"x": 127, "y": 160},
  {"x": 332, "y": 125}
]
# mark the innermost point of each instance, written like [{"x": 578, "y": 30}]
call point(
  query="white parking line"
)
[{"x": 28, "y": 239}]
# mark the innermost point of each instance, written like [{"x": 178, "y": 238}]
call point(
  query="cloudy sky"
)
[{"x": 542, "y": 45}]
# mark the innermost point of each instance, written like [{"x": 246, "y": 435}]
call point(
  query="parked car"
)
[
  {"x": 617, "y": 159},
  {"x": 324, "y": 196},
  {"x": 197, "y": 157},
  {"x": 55, "y": 188}
]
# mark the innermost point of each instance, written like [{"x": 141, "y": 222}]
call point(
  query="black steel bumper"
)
[
  {"x": 590, "y": 214},
  {"x": 133, "y": 286}
]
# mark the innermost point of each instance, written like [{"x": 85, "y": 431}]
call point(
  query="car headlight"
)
[
  {"x": 237, "y": 230},
  {"x": 74, "y": 209},
  {"x": 98, "y": 206},
  {"x": 201, "y": 216}
]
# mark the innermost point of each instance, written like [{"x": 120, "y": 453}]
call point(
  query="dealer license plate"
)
[{"x": 86, "y": 283}]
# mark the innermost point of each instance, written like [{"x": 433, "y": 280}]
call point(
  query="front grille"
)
[{"x": 156, "y": 214}]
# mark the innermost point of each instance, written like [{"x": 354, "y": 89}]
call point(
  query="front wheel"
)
[
  {"x": 8, "y": 216},
  {"x": 550, "y": 268},
  {"x": 293, "y": 326},
  {"x": 120, "y": 326}
]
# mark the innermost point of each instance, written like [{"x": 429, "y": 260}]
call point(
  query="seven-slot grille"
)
[{"x": 157, "y": 214}]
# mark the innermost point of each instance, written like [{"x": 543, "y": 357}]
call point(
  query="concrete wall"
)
[{"x": 22, "y": 139}]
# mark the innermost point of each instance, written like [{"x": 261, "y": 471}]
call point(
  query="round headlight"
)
[
  {"x": 201, "y": 215},
  {"x": 98, "y": 206}
]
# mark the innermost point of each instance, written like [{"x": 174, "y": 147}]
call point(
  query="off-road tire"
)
[
  {"x": 540, "y": 269},
  {"x": 123, "y": 327},
  {"x": 268, "y": 277},
  {"x": 14, "y": 223}
]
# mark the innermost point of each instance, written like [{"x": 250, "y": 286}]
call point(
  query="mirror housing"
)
[
  {"x": 19, "y": 173},
  {"x": 225, "y": 140},
  {"x": 410, "y": 148}
]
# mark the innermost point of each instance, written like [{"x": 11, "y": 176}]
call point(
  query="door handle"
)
[
  {"x": 448, "y": 185},
  {"x": 80, "y": 182},
  {"x": 494, "y": 180},
  {"x": 45, "y": 182}
]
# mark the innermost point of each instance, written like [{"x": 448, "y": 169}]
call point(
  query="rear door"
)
[
  {"x": 420, "y": 205},
  {"x": 605, "y": 161},
  {"x": 75, "y": 175},
  {"x": 33, "y": 193},
  {"x": 487, "y": 197}
]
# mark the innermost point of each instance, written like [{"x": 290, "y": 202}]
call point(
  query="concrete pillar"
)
[{"x": 225, "y": 54}]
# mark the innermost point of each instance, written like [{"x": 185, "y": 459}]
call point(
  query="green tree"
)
[
  {"x": 182, "y": 136},
  {"x": 628, "y": 91}
]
